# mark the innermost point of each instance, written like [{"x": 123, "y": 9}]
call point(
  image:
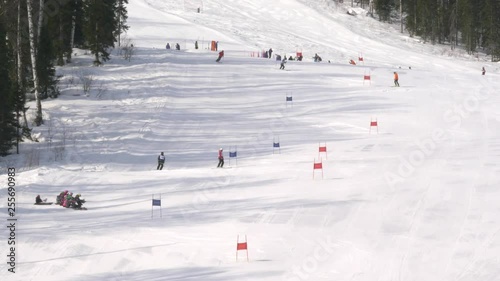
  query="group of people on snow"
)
[
  {"x": 177, "y": 46},
  {"x": 161, "y": 160},
  {"x": 67, "y": 200},
  {"x": 268, "y": 54}
]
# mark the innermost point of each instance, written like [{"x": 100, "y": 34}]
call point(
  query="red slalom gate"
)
[
  {"x": 318, "y": 166},
  {"x": 373, "y": 123},
  {"x": 322, "y": 149},
  {"x": 367, "y": 77},
  {"x": 241, "y": 246}
]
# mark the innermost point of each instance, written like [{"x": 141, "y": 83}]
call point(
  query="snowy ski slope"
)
[{"x": 416, "y": 201}]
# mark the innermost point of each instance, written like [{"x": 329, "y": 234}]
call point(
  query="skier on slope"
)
[
  {"x": 282, "y": 66},
  {"x": 221, "y": 159},
  {"x": 161, "y": 161},
  {"x": 38, "y": 200},
  {"x": 221, "y": 55},
  {"x": 396, "y": 79}
]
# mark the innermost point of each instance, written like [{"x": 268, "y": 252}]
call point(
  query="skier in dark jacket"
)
[
  {"x": 168, "y": 46},
  {"x": 177, "y": 46},
  {"x": 38, "y": 199},
  {"x": 270, "y": 52},
  {"x": 282, "y": 66},
  {"x": 161, "y": 161},
  {"x": 77, "y": 202}
]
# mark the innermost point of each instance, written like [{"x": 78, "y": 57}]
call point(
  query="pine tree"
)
[
  {"x": 491, "y": 31},
  {"x": 77, "y": 34},
  {"x": 384, "y": 8},
  {"x": 46, "y": 72},
  {"x": 410, "y": 10},
  {"x": 8, "y": 124},
  {"x": 59, "y": 27},
  {"x": 121, "y": 19},
  {"x": 100, "y": 26}
]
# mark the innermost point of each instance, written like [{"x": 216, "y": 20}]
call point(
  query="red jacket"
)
[{"x": 220, "y": 155}]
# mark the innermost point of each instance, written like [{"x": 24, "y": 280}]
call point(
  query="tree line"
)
[
  {"x": 472, "y": 24},
  {"x": 37, "y": 35}
]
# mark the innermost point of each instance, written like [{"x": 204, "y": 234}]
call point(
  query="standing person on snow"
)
[
  {"x": 396, "y": 79},
  {"x": 282, "y": 66},
  {"x": 168, "y": 46},
  {"x": 196, "y": 45},
  {"x": 484, "y": 71},
  {"x": 270, "y": 52},
  {"x": 161, "y": 161},
  {"x": 177, "y": 47},
  {"x": 221, "y": 159},
  {"x": 221, "y": 54}
]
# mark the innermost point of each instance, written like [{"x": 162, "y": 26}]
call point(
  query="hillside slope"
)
[{"x": 415, "y": 198}]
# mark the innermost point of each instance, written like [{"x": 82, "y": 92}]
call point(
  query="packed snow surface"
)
[{"x": 414, "y": 198}]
